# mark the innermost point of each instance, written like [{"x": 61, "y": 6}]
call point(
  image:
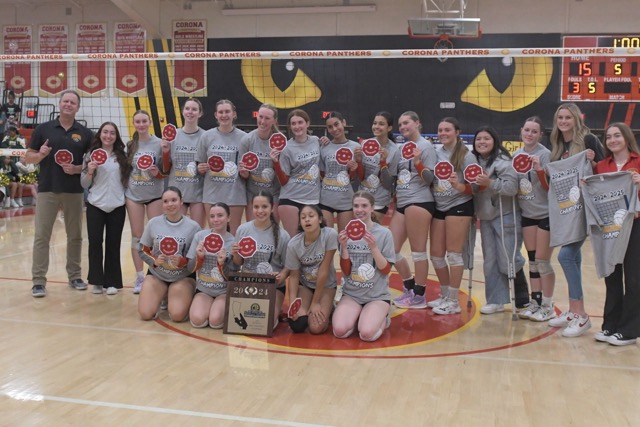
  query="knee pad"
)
[
  {"x": 135, "y": 243},
  {"x": 299, "y": 325},
  {"x": 220, "y": 326},
  {"x": 455, "y": 259},
  {"x": 347, "y": 335},
  {"x": 531, "y": 255},
  {"x": 438, "y": 262},
  {"x": 204, "y": 324},
  {"x": 419, "y": 256},
  {"x": 399, "y": 257},
  {"x": 544, "y": 267}
]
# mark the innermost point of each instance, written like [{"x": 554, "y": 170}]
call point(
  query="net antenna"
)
[{"x": 445, "y": 21}]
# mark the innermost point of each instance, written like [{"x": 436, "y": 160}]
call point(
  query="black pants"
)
[
  {"x": 622, "y": 304},
  {"x": 105, "y": 271}
]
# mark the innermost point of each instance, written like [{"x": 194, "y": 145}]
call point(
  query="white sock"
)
[{"x": 547, "y": 301}]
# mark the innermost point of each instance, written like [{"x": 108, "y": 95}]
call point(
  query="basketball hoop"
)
[{"x": 443, "y": 43}]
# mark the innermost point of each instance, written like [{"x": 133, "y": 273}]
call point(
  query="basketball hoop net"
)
[{"x": 443, "y": 43}]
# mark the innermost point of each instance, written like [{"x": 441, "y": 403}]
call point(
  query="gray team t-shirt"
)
[
  {"x": 158, "y": 228},
  {"x": 226, "y": 185},
  {"x": 366, "y": 283},
  {"x": 611, "y": 201},
  {"x": 336, "y": 191},
  {"x": 209, "y": 280},
  {"x": 445, "y": 195},
  {"x": 184, "y": 171},
  {"x": 533, "y": 199},
  {"x": 144, "y": 187},
  {"x": 301, "y": 163},
  {"x": 372, "y": 182},
  {"x": 263, "y": 177},
  {"x": 307, "y": 258},
  {"x": 268, "y": 258},
  {"x": 410, "y": 186},
  {"x": 566, "y": 205}
]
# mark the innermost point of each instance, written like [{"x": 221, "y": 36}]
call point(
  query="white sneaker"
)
[
  {"x": 544, "y": 313},
  {"x": 97, "y": 289},
  {"x": 19, "y": 202},
  {"x": 578, "y": 326},
  {"x": 137, "y": 285},
  {"x": 436, "y": 302},
  {"x": 448, "y": 306},
  {"x": 7, "y": 202},
  {"x": 14, "y": 204},
  {"x": 492, "y": 308},
  {"x": 528, "y": 310},
  {"x": 112, "y": 291},
  {"x": 561, "y": 321}
]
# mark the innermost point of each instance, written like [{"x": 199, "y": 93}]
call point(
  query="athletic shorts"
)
[
  {"x": 332, "y": 210},
  {"x": 541, "y": 223},
  {"x": 427, "y": 206},
  {"x": 464, "y": 209}
]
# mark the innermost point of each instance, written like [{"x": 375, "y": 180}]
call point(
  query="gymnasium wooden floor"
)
[{"x": 74, "y": 358}]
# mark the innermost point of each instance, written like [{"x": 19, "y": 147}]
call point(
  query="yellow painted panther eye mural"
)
[
  {"x": 258, "y": 79},
  {"x": 530, "y": 79}
]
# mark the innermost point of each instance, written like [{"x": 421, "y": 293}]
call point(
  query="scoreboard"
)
[{"x": 600, "y": 78}]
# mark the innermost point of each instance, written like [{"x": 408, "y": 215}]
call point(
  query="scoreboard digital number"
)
[{"x": 601, "y": 78}]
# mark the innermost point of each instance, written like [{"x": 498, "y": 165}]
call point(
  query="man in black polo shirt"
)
[{"x": 53, "y": 145}]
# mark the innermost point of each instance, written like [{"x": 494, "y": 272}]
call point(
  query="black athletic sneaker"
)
[{"x": 619, "y": 339}]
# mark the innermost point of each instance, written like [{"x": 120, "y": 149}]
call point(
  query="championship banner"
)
[
  {"x": 54, "y": 39},
  {"x": 18, "y": 41},
  {"x": 131, "y": 76},
  {"x": 92, "y": 76},
  {"x": 190, "y": 77}
]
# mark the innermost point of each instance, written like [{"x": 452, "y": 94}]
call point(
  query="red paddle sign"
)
[
  {"x": 145, "y": 162},
  {"x": 247, "y": 246},
  {"x": 443, "y": 170},
  {"x": 63, "y": 157},
  {"x": 344, "y": 156},
  {"x": 169, "y": 132},
  {"x": 99, "y": 156},
  {"x": 371, "y": 147},
  {"x": 216, "y": 163},
  {"x": 356, "y": 229},
  {"x": 250, "y": 160},
  {"x": 277, "y": 141},
  {"x": 407, "y": 150},
  {"x": 471, "y": 172},
  {"x": 213, "y": 243},
  {"x": 522, "y": 163},
  {"x": 294, "y": 308},
  {"x": 169, "y": 246}
]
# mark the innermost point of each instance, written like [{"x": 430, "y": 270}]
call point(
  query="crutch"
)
[
  {"x": 511, "y": 262},
  {"x": 471, "y": 243}
]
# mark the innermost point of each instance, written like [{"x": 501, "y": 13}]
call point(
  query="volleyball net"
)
[{"x": 500, "y": 87}]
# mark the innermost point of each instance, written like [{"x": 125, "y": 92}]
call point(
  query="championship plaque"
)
[{"x": 249, "y": 306}]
